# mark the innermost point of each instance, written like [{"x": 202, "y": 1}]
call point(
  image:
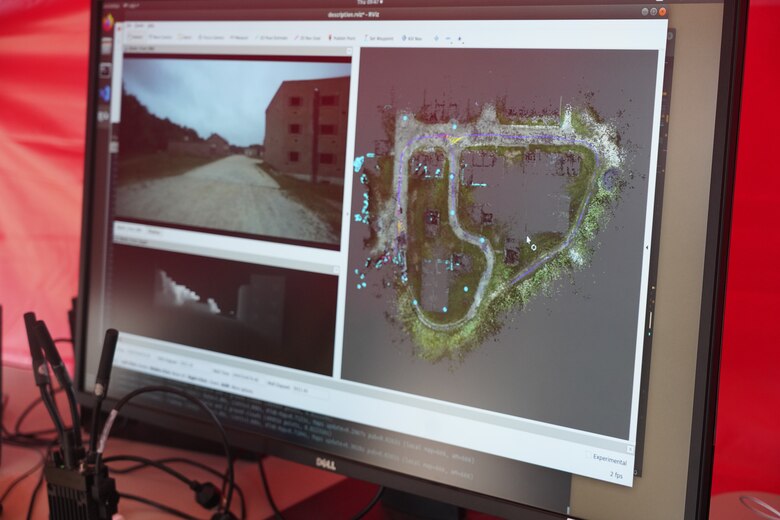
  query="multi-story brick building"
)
[{"x": 306, "y": 129}]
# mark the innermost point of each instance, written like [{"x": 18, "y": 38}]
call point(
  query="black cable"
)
[
  {"x": 38, "y": 486},
  {"x": 193, "y": 463},
  {"x": 21, "y": 478},
  {"x": 363, "y": 512},
  {"x": 29, "y": 442},
  {"x": 6, "y": 433},
  {"x": 63, "y": 340},
  {"x": 179, "y": 460},
  {"x": 144, "y": 462},
  {"x": 30, "y": 439},
  {"x": 36, "y": 433},
  {"x": 51, "y": 406},
  {"x": 24, "y": 442},
  {"x": 264, "y": 481},
  {"x": 27, "y": 439},
  {"x": 194, "y": 400},
  {"x": 162, "y": 507},
  {"x": 206, "y": 494},
  {"x": 196, "y": 464},
  {"x": 204, "y": 467},
  {"x": 30, "y": 407}
]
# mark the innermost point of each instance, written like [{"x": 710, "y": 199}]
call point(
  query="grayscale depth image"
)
[
  {"x": 280, "y": 316},
  {"x": 249, "y": 147},
  {"x": 497, "y": 230}
]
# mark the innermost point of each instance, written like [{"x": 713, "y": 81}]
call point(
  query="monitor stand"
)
[
  {"x": 350, "y": 496},
  {"x": 420, "y": 507}
]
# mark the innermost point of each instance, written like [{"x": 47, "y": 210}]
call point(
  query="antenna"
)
[
  {"x": 101, "y": 382},
  {"x": 42, "y": 381},
  {"x": 63, "y": 378}
]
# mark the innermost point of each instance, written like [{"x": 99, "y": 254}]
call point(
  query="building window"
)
[
  {"x": 295, "y": 128},
  {"x": 296, "y": 101},
  {"x": 327, "y": 158},
  {"x": 294, "y": 156},
  {"x": 329, "y": 101},
  {"x": 328, "y": 129}
]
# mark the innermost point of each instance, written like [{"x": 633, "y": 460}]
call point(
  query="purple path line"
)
[
  {"x": 534, "y": 267},
  {"x": 439, "y": 136}
]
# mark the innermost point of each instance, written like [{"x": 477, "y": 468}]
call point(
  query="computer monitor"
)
[{"x": 473, "y": 250}]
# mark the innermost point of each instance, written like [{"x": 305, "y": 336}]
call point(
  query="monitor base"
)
[{"x": 347, "y": 498}]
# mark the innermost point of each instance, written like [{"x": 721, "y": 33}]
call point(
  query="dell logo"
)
[{"x": 324, "y": 463}]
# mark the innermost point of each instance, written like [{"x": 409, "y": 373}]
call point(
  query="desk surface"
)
[
  {"x": 290, "y": 483},
  {"x": 745, "y": 505}
]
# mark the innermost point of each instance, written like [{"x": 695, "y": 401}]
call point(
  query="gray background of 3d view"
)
[{"x": 567, "y": 358}]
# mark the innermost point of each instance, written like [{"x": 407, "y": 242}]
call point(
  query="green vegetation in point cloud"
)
[
  {"x": 580, "y": 126},
  {"x": 502, "y": 296},
  {"x": 504, "y": 118},
  {"x": 511, "y": 154},
  {"x": 379, "y": 186},
  {"x": 433, "y": 194}
]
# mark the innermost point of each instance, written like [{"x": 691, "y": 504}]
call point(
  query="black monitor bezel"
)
[
  {"x": 702, "y": 445},
  {"x": 711, "y": 315}
]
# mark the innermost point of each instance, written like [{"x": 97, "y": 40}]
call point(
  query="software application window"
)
[{"x": 442, "y": 230}]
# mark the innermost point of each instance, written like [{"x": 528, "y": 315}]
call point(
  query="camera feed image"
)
[
  {"x": 498, "y": 225},
  {"x": 280, "y": 316},
  {"x": 246, "y": 147}
]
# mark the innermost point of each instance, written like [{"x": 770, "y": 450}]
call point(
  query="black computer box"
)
[{"x": 76, "y": 494}]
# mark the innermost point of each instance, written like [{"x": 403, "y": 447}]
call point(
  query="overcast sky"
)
[{"x": 222, "y": 97}]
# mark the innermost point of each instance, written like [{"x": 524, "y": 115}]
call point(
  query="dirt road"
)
[{"x": 231, "y": 194}]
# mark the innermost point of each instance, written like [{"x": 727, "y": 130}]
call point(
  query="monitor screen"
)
[{"x": 471, "y": 245}]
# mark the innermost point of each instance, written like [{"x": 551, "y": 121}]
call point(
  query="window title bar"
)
[{"x": 205, "y": 10}]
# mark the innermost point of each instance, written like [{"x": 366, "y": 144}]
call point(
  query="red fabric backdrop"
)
[
  {"x": 43, "y": 79},
  {"x": 43, "y": 71},
  {"x": 747, "y": 447}
]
